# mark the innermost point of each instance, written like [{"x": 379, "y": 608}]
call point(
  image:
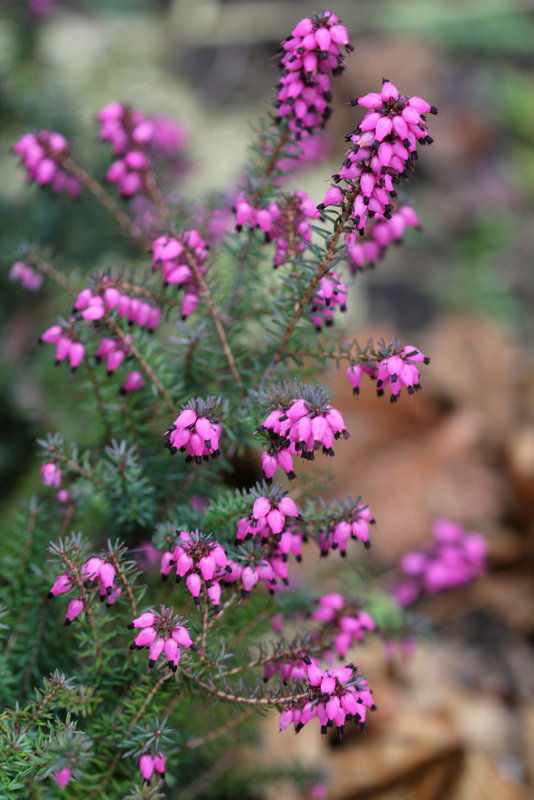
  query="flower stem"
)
[
  {"x": 322, "y": 269},
  {"x": 107, "y": 201},
  {"x": 145, "y": 366}
]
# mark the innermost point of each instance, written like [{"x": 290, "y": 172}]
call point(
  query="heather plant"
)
[{"x": 201, "y": 349}]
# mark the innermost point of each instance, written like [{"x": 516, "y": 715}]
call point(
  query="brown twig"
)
[
  {"x": 206, "y": 294},
  {"x": 157, "y": 198},
  {"x": 46, "y": 699},
  {"x": 235, "y": 698},
  {"x": 322, "y": 269},
  {"x": 205, "y": 611},
  {"x": 99, "y": 399},
  {"x": 73, "y": 465},
  {"x": 198, "y": 741},
  {"x": 145, "y": 366},
  {"x": 126, "y": 583},
  {"x": 107, "y": 201},
  {"x": 50, "y": 271}
]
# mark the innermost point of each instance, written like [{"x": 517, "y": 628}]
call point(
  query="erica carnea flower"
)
[
  {"x": 454, "y": 557},
  {"x": 383, "y": 152},
  {"x": 196, "y": 430},
  {"x": 93, "y": 306},
  {"x": 285, "y": 222},
  {"x": 198, "y": 558},
  {"x": 334, "y": 696},
  {"x": 330, "y": 293},
  {"x": 29, "y": 278},
  {"x": 348, "y": 520},
  {"x": 305, "y": 418},
  {"x": 397, "y": 369},
  {"x": 178, "y": 257},
  {"x": 161, "y": 633},
  {"x": 95, "y": 572},
  {"x": 51, "y": 474},
  {"x": 348, "y": 620},
  {"x": 148, "y": 763},
  {"x": 43, "y": 154},
  {"x": 134, "y": 380},
  {"x": 310, "y": 55},
  {"x": 269, "y": 512},
  {"x": 380, "y": 232},
  {"x": 63, "y": 776}
]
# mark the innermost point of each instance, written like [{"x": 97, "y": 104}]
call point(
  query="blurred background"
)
[{"x": 456, "y": 719}]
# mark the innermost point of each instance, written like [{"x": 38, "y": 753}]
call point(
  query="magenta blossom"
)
[
  {"x": 161, "y": 633},
  {"x": 51, "y": 474},
  {"x": 62, "y": 777},
  {"x": 199, "y": 559},
  {"x": 309, "y": 56},
  {"x": 454, "y": 557},
  {"x": 196, "y": 430},
  {"x": 383, "y": 152},
  {"x": 43, "y": 154},
  {"x": 308, "y": 421}
]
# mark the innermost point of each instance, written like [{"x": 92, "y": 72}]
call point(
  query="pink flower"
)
[
  {"x": 22, "y": 272},
  {"x": 309, "y": 56},
  {"x": 161, "y": 633},
  {"x": 146, "y": 765},
  {"x": 331, "y": 292},
  {"x": 380, "y": 232},
  {"x": 43, "y": 154},
  {"x": 196, "y": 430},
  {"x": 134, "y": 380},
  {"x": 384, "y": 149},
  {"x": 397, "y": 369},
  {"x": 334, "y": 696},
  {"x": 349, "y": 520},
  {"x": 453, "y": 558},
  {"x": 268, "y": 514},
  {"x": 199, "y": 559},
  {"x": 63, "y": 776},
  {"x": 75, "y": 608},
  {"x": 308, "y": 422},
  {"x": 51, "y": 474}
]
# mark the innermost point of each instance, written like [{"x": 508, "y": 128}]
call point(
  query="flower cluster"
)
[
  {"x": 95, "y": 569},
  {"x": 43, "y": 155},
  {"x": 330, "y": 293},
  {"x": 309, "y": 56},
  {"x": 334, "y": 696},
  {"x": 379, "y": 234},
  {"x": 384, "y": 148},
  {"x": 128, "y": 131},
  {"x": 197, "y": 557},
  {"x": 148, "y": 763},
  {"x": 51, "y": 474},
  {"x": 196, "y": 430},
  {"x": 455, "y": 557},
  {"x": 350, "y": 622},
  {"x": 93, "y": 306},
  {"x": 178, "y": 258},
  {"x": 62, "y": 776},
  {"x": 29, "y": 278},
  {"x": 392, "y": 366},
  {"x": 301, "y": 425},
  {"x": 268, "y": 514},
  {"x": 161, "y": 633},
  {"x": 285, "y": 222},
  {"x": 66, "y": 345},
  {"x": 350, "y": 520}
]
